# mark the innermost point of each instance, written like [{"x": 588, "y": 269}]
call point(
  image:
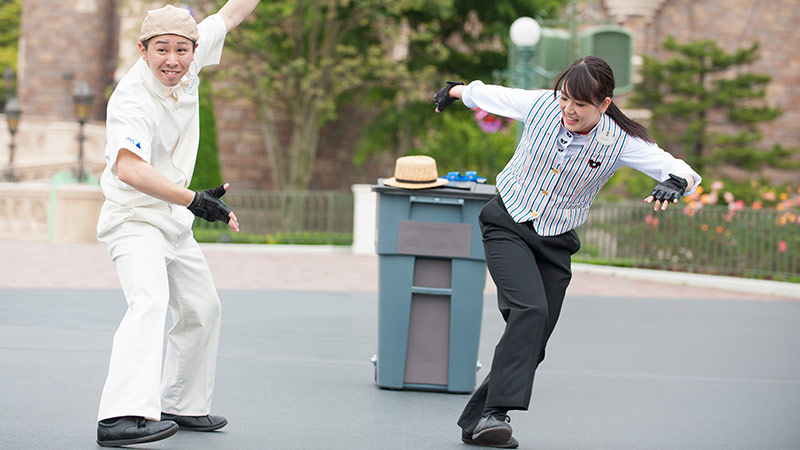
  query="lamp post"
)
[
  {"x": 82, "y": 97},
  {"x": 12, "y": 111},
  {"x": 9, "y": 77},
  {"x": 525, "y": 34}
]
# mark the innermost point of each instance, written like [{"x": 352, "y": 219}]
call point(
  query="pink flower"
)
[
  {"x": 728, "y": 196},
  {"x": 709, "y": 199},
  {"x": 717, "y": 185},
  {"x": 782, "y": 246},
  {"x": 490, "y": 123}
]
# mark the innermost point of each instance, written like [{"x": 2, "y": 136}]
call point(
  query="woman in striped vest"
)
[{"x": 574, "y": 139}]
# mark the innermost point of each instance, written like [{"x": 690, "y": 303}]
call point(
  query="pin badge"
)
[
  {"x": 605, "y": 137},
  {"x": 594, "y": 164}
]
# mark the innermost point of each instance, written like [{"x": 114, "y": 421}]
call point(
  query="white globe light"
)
[{"x": 525, "y": 32}]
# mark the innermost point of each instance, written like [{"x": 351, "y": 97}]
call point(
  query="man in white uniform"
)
[{"x": 152, "y": 133}]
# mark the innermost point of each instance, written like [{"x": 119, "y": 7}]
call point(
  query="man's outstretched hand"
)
[{"x": 207, "y": 205}]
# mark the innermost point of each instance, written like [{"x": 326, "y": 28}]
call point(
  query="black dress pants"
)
[{"x": 532, "y": 273}]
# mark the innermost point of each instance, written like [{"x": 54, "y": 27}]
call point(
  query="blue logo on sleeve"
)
[{"x": 134, "y": 142}]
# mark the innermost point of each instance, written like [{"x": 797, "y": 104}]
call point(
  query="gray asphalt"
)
[{"x": 294, "y": 372}]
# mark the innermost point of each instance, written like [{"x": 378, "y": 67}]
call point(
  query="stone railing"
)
[
  {"x": 45, "y": 147},
  {"x": 42, "y": 212},
  {"x": 43, "y": 171}
]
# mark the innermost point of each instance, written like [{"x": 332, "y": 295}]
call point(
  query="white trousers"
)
[{"x": 157, "y": 271}]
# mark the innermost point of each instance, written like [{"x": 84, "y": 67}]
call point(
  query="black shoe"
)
[
  {"x": 196, "y": 423},
  {"x": 129, "y": 430},
  {"x": 467, "y": 439},
  {"x": 492, "y": 430}
]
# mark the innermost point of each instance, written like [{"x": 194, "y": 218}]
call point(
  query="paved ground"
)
[
  {"x": 243, "y": 267},
  {"x": 633, "y": 364}
]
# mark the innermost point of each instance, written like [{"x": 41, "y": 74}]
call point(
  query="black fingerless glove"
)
[
  {"x": 443, "y": 98},
  {"x": 670, "y": 189},
  {"x": 206, "y": 204}
]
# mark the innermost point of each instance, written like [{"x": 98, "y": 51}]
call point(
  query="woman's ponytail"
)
[{"x": 630, "y": 126}]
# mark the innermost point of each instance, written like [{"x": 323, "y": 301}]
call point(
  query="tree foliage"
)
[
  {"x": 10, "y": 15},
  {"x": 207, "y": 172},
  {"x": 472, "y": 44},
  {"x": 701, "y": 84},
  {"x": 303, "y": 60}
]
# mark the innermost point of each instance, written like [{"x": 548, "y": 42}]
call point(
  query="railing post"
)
[
  {"x": 331, "y": 215},
  {"x": 365, "y": 209}
]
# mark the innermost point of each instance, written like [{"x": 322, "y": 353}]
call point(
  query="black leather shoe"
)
[
  {"x": 467, "y": 439},
  {"x": 129, "y": 430},
  {"x": 492, "y": 430},
  {"x": 196, "y": 423}
]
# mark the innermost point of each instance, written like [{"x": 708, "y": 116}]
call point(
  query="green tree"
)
[
  {"x": 301, "y": 61},
  {"x": 702, "y": 83},
  {"x": 207, "y": 171},
  {"x": 475, "y": 38},
  {"x": 10, "y": 14}
]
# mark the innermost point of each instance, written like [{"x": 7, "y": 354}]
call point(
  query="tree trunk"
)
[
  {"x": 276, "y": 160},
  {"x": 698, "y": 148},
  {"x": 302, "y": 152},
  {"x": 303, "y": 149}
]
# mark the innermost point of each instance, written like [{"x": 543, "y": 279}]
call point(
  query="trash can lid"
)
[{"x": 458, "y": 189}]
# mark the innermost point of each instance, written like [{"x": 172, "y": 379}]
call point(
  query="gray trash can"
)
[{"x": 432, "y": 273}]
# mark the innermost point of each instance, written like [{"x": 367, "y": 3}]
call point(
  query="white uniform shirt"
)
[
  {"x": 160, "y": 124},
  {"x": 531, "y": 180}
]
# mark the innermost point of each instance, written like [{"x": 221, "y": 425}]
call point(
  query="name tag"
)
[{"x": 605, "y": 137}]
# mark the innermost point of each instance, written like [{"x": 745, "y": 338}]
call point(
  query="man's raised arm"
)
[{"x": 235, "y": 11}]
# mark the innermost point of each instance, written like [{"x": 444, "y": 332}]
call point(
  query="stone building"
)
[
  {"x": 732, "y": 24},
  {"x": 61, "y": 44},
  {"x": 94, "y": 41}
]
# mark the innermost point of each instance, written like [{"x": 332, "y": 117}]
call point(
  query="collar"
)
[
  {"x": 156, "y": 87},
  {"x": 603, "y": 132}
]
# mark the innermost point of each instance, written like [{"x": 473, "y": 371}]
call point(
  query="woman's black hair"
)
[{"x": 591, "y": 80}]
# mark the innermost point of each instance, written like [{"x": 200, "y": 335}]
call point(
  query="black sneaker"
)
[
  {"x": 493, "y": 429},
  {"x": 467, "y": 439},
  {"x": 196, "y": 423},
  {"x": 128, "y": 430}
]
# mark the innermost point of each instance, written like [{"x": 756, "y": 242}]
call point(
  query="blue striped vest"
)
[{"x": 557, "y": 200}]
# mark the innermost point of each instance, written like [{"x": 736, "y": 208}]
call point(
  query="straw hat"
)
[{"x": 415, "y": 172}]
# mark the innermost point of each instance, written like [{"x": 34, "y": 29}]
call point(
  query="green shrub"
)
[{"x": 207, "y": 171}]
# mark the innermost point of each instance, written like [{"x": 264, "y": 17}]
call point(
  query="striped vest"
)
[{"x": 557, "y": 200}]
